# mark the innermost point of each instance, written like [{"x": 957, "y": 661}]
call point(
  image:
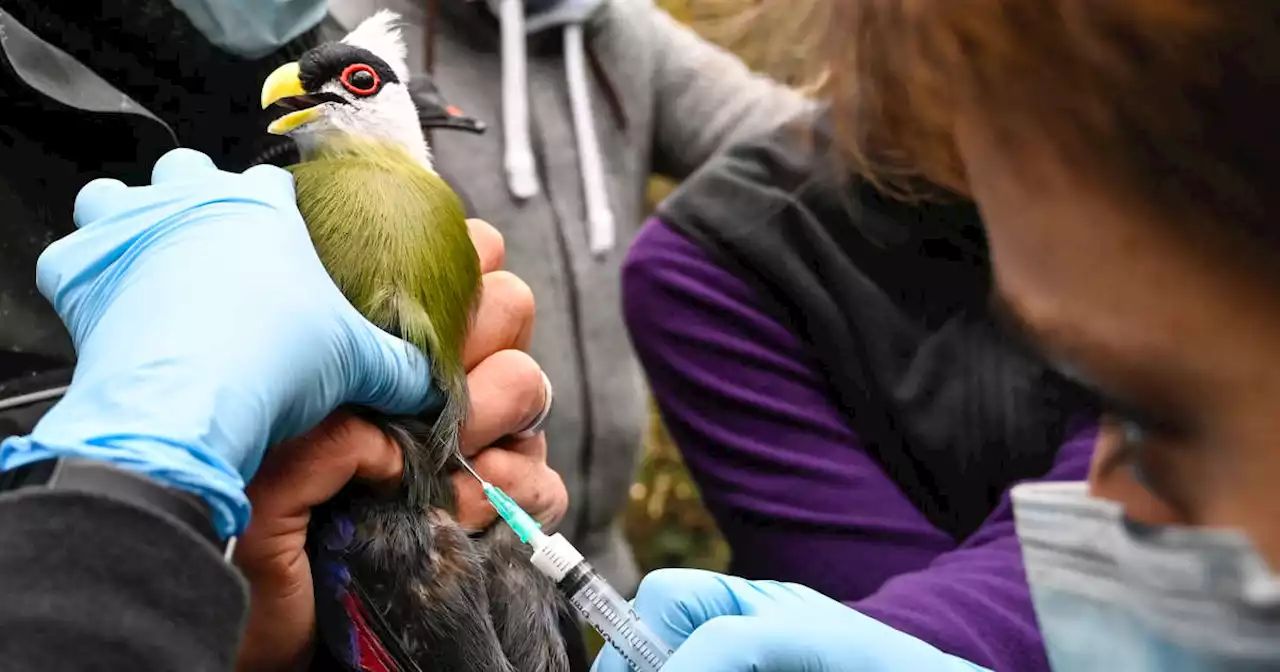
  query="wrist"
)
[{"x": 165, "y": 463}]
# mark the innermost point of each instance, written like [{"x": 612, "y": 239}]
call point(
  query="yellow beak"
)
[{"x": 284, "y": 83}]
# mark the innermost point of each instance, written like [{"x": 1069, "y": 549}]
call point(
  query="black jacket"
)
[
  {"x": 89, "y": 583},
  {"x": 894, "y": 300},
  {"x": 80, "y": 103}
]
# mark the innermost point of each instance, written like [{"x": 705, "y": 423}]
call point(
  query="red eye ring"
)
[{"x": 354, "y": 68}]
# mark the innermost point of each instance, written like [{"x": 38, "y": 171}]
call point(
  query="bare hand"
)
[{"x": 507, "y": 395}]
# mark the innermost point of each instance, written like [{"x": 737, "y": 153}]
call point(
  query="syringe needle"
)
[
  {"x": 467, "y": 465},
  {"x": 602, "y": 606}
]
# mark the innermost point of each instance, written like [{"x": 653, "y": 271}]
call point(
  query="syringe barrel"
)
[
  {"x": 615, "y": 620},
  {"x": 602, "y": 606}
]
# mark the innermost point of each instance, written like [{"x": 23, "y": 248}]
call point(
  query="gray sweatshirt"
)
[{"x": 584, "y": 99}]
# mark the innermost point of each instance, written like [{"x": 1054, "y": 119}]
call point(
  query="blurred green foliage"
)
[{"x": 666, "y": 522}]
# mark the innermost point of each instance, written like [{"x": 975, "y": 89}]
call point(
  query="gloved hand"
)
[
  {"x": 727, "y": 624},
  {"x": 206, "y": 329}
]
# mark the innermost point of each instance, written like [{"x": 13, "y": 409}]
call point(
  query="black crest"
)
[{"x": 328, "y": 62}]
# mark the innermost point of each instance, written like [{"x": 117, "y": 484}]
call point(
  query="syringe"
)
[{"x": 606, "y": 610}]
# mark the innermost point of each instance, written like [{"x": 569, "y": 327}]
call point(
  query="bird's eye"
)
[{"x": 360, "y": 79}]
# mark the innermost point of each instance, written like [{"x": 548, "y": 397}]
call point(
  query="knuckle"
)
[
  {"x": 501, "y": 475},
  {"x": 325, "y": 438},
  {"x": 344, "y": 438},
  {"x": 515, "y": 294},
  {"x": 338, "y": 433},
  {"x": 556, "y": 497},
  {"x": 530, "y": 391},
  {"x": 522, "y": 378}
]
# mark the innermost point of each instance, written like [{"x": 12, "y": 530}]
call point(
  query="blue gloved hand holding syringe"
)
[{"x": 719, "y": 623}]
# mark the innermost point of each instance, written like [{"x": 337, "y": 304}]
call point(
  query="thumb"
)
[
  {"x": 393, "y": 376},
  {"x": 310, "y": 469}
]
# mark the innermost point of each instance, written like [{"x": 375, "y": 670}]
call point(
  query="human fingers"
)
[
  {"x": 59, "y": 270},
  {"x": 489, "y": 244},
  {"x": 675, "y": 603},
  {"x": 804, "y": 641},
  {"x": 507, "y": 394},
  {"x": 788, "y": 627},
  {"x": 181, "y": 164},
  {"x": 295, "y": 477},
  {"x": 521, "y": 470},
  {"x": 310, "y": 469},
  {"x": 504, "y": 320},
  {"x": 303, "y": 473},
  {"x": 97, "y": 200}
]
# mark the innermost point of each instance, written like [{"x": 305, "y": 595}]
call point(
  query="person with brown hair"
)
[
  {"x": 827, "y": 360},
  {"x": 1122, "y": 157}
]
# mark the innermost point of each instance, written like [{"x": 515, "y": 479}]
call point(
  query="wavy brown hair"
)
[{"x": 1171, "y": 101}]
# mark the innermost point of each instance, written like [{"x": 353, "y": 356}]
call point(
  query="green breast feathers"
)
[{"x": 393, "y": 236}]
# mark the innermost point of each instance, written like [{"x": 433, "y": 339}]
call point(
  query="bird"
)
[{"x": 400, "y": 585}]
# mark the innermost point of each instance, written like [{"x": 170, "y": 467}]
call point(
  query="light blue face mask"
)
[
  {"x": 1114, "y": 595},
  {"x": 252, "y": 28}
]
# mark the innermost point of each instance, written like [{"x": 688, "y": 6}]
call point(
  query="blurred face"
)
[{"x": 1178, "y": 335}]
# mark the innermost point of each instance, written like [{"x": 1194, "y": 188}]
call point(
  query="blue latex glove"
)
[
  {"x": 724, "y": 623},
  {"x": 206, "y": 330}
]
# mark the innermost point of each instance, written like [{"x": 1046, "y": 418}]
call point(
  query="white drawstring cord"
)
[
  {"x": 600, "y": 225},
  {"x": 522, "y": 177}
]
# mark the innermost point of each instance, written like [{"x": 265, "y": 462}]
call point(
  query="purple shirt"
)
[{"x": 787, "y": 480}]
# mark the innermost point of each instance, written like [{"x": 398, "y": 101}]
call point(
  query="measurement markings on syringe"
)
[{"x": 603, "y": 608}]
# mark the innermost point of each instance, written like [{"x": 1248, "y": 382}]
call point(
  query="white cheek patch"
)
[
  {"x": 354, "y": 117},
  {"x": 336, "y": 88},
  {"x": 388, "y": 115}
]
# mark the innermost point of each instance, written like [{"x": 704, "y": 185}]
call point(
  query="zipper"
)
[{"x": 585, "y": 457}]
